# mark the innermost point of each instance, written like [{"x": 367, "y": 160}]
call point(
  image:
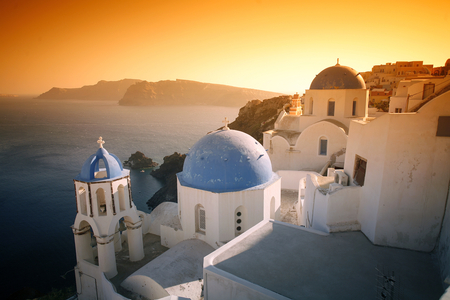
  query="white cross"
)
[
  {"x": 226, "y": 124},
  {"x": 100, "y": 142}
]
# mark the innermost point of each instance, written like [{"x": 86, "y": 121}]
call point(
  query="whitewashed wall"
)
[{"x": 407, "y": 175}]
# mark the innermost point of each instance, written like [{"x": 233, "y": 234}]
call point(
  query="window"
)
[
  {"x": 200, "y": 219},
  {"x": 272, "y": 208},
  {"x": 359, "y": 172},
  {"x": 311, "y": 106},
  {"x": 239, "y": 220},
  {"x": 82, "y": 201},
  {"x": 331, "y": 104},
  {"x": 428, "y": 89},
  {"x": 354, "y": 108},
  {"x": 122, "y": 202},
  {"x": 398, "y": 110},
  {"x": 101, "y": 202},
  {"x": 323, "y": 144},
  {"x": 443, "y": 128}
]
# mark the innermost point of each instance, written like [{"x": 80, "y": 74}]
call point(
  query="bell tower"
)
[{"x": 104, "y": 206}]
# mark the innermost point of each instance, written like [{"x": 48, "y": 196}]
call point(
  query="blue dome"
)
[
  {"x": 338, "y": 77},
  {"x": 226, "y": 161},
  {"x": 113, "y": 166}
]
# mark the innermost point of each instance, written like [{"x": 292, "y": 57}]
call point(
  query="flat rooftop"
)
[{"x": 299, "y": 264}]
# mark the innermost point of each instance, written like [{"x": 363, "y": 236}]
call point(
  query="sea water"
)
[{"x": 43, "y": 145}]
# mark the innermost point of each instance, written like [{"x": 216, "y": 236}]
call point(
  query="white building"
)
[
  {"x": 103, "y": 198},
  {"x": 308, "y": 141},
  {"x": 411, "y": 93},
  {"x": 226, "y": 187},
  {"x": 398, "y": 172}
]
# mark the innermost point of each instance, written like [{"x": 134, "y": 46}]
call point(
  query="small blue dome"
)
[
  {"x": 226, "y": 161},
  {"x": 113, "y": 166}
]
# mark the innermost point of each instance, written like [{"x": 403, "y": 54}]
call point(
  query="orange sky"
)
[{"x": 270, "y": 45}]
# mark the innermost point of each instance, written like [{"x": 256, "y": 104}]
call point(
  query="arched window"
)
[
  {"x": 82, "y": 201},
  {"x": 240, "y": 220},
  {"x": 200, "y": 219},
  {"x": 323, "y": 145},
  {"x": 101, "y": 202},
  {"x": 122, "y": 201},
  {"x": 331, "y": 105}
]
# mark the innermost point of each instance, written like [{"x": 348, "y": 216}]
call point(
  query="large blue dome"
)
[
  {"x": 226, "y": 161},
  {"x": 338, "y": 77},
  {"x": 112, "y": 167}
]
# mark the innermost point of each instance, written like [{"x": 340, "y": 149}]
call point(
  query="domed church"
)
[
  {"x": 226, "y": 187},
  {"x": 308, "y": 140}
]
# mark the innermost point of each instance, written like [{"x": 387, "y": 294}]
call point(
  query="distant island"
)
[
  {"x": 166, "y": 92},
  {"x": 139, "y": 161},
  {"x": 187, "y": 92},
  {"x": 103, "y": 90},
  {"x": 8, "y": 96}
]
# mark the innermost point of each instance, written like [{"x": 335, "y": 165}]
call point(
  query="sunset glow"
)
[{"x": 263, "y": 44}]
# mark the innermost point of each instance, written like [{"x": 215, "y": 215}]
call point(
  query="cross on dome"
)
[
  {"x": 100, "y": 142},
  {"x": 226, "y": 124}
]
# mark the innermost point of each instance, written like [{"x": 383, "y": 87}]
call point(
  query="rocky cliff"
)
[
  {"x": 103, "y": 90},
  {"x": 139, "y": 161},
  {"x": 259, "y": 116},
  {"x": 186, "y": 92},
  {"x": 254, "y": 118},
  {"x": 167, "y": 173}
]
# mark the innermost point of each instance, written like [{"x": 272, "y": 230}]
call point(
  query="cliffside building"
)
[
  {"x": 389, "y": 75},
  {"x": 308, "y": 141}
]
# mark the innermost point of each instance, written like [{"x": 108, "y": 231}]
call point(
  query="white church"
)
[{"x": 371, "y": 204}]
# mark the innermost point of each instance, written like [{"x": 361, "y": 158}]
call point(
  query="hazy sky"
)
[{"x": 270, "y": 45}]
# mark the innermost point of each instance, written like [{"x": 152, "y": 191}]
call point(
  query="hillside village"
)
[{"x": 340, "y": 200}]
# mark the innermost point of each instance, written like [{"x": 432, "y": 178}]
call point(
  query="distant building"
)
[
  {"x": 389, "y": 75},
  {"x": 442, "y": 71},
  {"x": 412, "y": 92},
  {"x": 378, "y": 95}
]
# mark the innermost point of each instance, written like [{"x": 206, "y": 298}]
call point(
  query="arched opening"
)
[
  {"x": 331, "y": 107},
  {"x": 82, "y": 201},
  {"x": 102, "y": 169},
  {"x": 86, "y": 243},
  {"x": 200, "y": 219},
  {"x": 122, "y": 200},
  {"x": 120, "y": 235},
  {"x": 323, "y": 146},
  {"x": 311, "y": 106},
  {"x": 240, "y": 220},
  {"x": 101, "y": 202},
  {"x": 272, "y": 208}
]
